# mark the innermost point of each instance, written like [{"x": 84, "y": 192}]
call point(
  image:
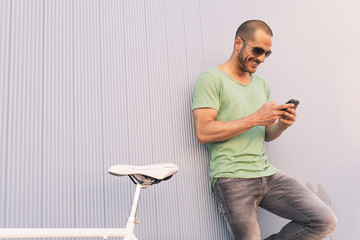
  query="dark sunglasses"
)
[{"x": 257, "y": 51}]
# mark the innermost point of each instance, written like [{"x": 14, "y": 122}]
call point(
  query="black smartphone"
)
[{"x": 294, "y": 101}]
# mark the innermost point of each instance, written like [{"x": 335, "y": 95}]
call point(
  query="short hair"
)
[{"x": 247, "y": 29}]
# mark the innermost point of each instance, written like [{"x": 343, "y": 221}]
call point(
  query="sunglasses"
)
[{"x": 257, "y": 51}]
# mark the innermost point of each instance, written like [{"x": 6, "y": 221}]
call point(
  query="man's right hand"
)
[{"x": 269, "y": 113}]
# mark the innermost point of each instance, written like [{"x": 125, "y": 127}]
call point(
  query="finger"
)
[
  {"x": 278, "y": 113},
  {"x": 289, "y": 116},
  {"x": 291, "y": 110},
  {"x": 285, "y": 106},
  {"x": 286, "y": 122}
]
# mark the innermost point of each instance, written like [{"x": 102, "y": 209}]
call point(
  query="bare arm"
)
[{"x": 208, "y": 129}]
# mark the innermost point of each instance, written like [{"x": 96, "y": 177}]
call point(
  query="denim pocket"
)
[
  {"x": 219, "y": 197},
  {"x": 224, "y": 180}
]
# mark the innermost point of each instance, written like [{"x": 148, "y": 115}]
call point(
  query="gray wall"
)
[{"x": 88, "y": 84}]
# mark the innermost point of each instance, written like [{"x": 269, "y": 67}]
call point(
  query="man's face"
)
[{"x": 248, "y": 62}]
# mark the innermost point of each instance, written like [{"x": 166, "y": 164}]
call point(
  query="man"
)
[{"x": 233, "y": 115}]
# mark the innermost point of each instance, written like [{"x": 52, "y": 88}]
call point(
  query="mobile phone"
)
[{"x": 294, "y": 101}]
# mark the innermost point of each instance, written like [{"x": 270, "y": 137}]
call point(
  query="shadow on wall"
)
[{"x": 322, "y": 194}]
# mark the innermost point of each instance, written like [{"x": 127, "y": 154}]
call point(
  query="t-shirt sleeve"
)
[{"x": 206, "y": 92}]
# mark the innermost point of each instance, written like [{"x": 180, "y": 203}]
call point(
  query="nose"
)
[{"x": 261, "y": 58}]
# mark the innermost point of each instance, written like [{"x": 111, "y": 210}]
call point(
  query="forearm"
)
[
  {"x": 272, "y": 132},
  {"x": 209, "y": 129},
  {"x": 217, "y": 131}
]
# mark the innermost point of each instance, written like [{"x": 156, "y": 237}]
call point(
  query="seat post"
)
[{"x": 130, "y": 225}]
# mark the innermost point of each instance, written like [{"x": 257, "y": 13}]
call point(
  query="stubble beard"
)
[{"x": 242, "y": 63}]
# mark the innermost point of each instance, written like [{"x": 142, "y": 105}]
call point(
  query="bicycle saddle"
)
[{"x": 157, "y": 171}]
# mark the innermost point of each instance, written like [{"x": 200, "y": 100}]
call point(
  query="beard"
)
[{"x": 242, "y": 62}]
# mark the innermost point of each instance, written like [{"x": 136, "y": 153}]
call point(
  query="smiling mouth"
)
[{"x": 254, "y": 63}]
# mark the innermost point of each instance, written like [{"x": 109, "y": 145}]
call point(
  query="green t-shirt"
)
[{"x": 242, "y": 156}]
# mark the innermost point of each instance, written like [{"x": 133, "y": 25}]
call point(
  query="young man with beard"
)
[{"x": 233, "y": 115}]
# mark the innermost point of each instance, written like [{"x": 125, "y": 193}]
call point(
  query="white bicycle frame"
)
[{"x": 127, "y": 233}]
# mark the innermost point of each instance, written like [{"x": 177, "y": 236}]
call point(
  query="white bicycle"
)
[{"x": 142, "y": 176}]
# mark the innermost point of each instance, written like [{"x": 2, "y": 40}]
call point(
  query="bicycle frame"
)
[
  {"x": 127, "y": 233},
  {"x": 142, "y": 176}
]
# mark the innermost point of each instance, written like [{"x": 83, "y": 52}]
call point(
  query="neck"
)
[{"x": 232, "y": 69}]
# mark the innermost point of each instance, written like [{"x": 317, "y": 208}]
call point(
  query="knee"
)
[{"x": 327, "y": 222}]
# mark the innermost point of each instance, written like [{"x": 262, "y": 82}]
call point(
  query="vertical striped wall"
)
[{"x": 86, "y": 84}]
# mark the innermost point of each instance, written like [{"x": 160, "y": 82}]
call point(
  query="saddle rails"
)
[{"x": 142, "y": 176}]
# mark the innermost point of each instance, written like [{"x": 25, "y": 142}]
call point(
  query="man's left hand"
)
[{"x": 288, "y": 118}]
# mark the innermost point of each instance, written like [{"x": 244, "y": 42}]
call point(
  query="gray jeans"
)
[{"x": 239, "y": 198}]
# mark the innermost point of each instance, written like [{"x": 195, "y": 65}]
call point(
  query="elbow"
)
[{"x": 202, "y": 139}]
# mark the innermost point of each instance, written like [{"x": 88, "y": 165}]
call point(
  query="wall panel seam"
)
[
  {"x": 42, "y": 119},
  {"x": 102, "y": 113},
  {"x": 7, "y": 111},
  {"x": 74, "y": 110}
]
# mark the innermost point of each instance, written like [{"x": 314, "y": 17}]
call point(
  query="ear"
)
[{"x": 238, "y": 43}]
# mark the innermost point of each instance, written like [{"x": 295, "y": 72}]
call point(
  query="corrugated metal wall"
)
[{"x": 86, "y": 84}]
